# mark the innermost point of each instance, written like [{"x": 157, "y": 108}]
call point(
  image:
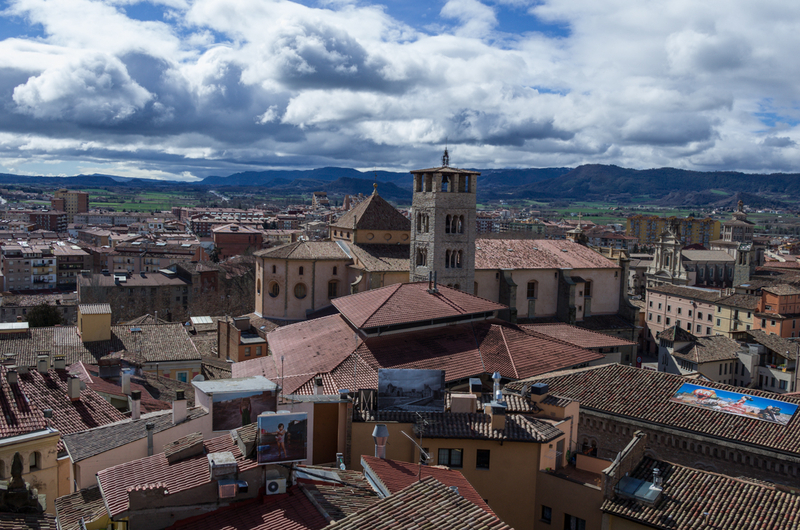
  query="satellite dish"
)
[{"x": 198, "y": 377}]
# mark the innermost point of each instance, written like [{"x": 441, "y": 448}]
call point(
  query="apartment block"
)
[{"x": 648, "y": 228}]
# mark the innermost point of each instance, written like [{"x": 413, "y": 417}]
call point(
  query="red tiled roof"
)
[
  {"x": 89, "y": 375},
  {"x": 409, "y": 302},
  {"x": 645, "y": 395},
  {"x": 537, "y": 254},
  {"x": 328, "y": 346},
  {"x": 374, "y": 213},
  {"x": 179, "y": 476},
  {"x": 23, "y": 405},
  {"x": 395, "y": 475},
  {"x": 580, "y": 337},
  {"x": 424, "y": 504},
  {"x": 291, "y": 511}
]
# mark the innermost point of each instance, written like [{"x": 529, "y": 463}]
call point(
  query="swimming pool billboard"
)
[{"x": 747, "y": 405}]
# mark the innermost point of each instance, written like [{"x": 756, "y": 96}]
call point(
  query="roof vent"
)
[{"x": 222, "y": 465}]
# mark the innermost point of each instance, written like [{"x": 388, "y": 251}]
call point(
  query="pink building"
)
[{"x": 691, "y": 308}]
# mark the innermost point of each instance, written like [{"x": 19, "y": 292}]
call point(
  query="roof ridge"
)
[
  {"x": 392, "y": 291},
  {"x": 508, "y": 350}
]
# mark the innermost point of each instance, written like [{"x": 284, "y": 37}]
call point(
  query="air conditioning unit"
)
[{"x": 276, "y": 486}]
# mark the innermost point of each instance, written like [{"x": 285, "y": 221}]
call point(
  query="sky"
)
[{"x": 184, "y": 89}]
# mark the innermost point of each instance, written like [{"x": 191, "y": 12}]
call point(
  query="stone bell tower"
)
[{"x": 443, "y": 225}]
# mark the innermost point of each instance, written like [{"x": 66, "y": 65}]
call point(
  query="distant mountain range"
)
[{"x": 665, "y": 186}]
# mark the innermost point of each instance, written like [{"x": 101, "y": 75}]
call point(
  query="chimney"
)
[
  {"x": 476, "y": 387},
  {"x": 150, "y": 426},
  {"x": 497, "y": 414},
  {"x": 60, "y": 362},
  {"x": 179, "y": 408},
  {"x": 318, "y": 388},
  {"x": 497, "y": 395},
  {"x": 539, "y": 391},
  {"x": 135, "y": 404},
  {"x": 42, "y": 363},
  {"x": 126, "y": 383},
  {"x": 381, "y": 435},
  {"x": 11, "y": 375},
  {"x": 74, "y": 388}
]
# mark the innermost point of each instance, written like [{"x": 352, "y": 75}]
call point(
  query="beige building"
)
[
  {"x": 734, "y": 315},
  {"x": 71, "y": 201}
]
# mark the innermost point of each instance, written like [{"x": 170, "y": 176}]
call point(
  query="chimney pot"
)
[
  {"x": 60, "y": 363},
  {"x": 179, "y": 408},
  {"x": 135, "y": 403},
  {"x": 43, "y": 363},
  {"x": 381, "y": 435},
  {"x": 12, "y": 377}
]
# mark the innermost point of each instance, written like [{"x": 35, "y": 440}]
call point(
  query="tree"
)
[
  {"x": 214, "y": 254},
  {"x": 43, "y": 315}
]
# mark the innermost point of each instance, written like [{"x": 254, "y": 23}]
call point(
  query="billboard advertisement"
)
[
  {"x": 282, "y": 437},
  {"x": 746, "y": 405},
  {"x": 237, "y": 409},
  {"x": 411, "y": 390}
]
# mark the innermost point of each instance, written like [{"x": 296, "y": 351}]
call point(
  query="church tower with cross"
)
[{"x": 443, "y": 226}]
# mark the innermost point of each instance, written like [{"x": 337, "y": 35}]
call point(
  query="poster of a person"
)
[{"x": 282, "y": 437}]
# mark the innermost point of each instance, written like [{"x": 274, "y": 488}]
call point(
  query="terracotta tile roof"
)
[
  {"x": 155, "y": 343},
  {"x": 374, "y": 213},
  {"x": 477, "y": 426},
  {"x": 424, "y": 504},
  {"x": 27, "y": 521},
  {"x": 617, "y": 389},
  {"x": 409, "y": 302},
  {"x": 179, "y": 476},
  {"x": 741, "y": 301},
  {"x": 373, "y": 257},
  {"x": 305, "y": 250},
  {"x": 94, "y": 441},
  {"x": 710, "y": 349},
  {"x": 692, "y": 293},
  {"x": 113, "y": 386},
  {"x": 784, "y": 347},
  {"x": 537, "y": 254},
  {"x": 95, "y": 309},
  {"x": 85, "y": 504},
  {"x": 182, "y": 444},
  {"x": 395, "y": 476},
  {"x": 677, "y": 334},
  {"x": 328, "y": 346},
  {"x": 583, "y": 338},
  {"x": 782, "y": 289},
  {"x": 290, "y": 511},
  {"x": 24, "y": 404},
  {"x": 728, "y": 502},
  {"x": 706, "y": 255}
]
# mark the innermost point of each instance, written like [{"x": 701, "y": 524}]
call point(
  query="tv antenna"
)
[{"x": 422, "y": 453}]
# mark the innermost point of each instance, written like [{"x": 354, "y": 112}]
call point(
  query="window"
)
[
  {"x": 668, "y": 321},
  {"x": 763, "y": 322},
  {"x": 258, "y": 286},
  {"x": 274, "y": 289},
  {"x": 335, "y": 270},
  {"x": 679, "y": 310},
  {"x": 700, "y": 315},
  {"x": 300, "y": 272},
  {"x": 274, "y": 269},
  {"x": 651, "y": 303},
  {"x": 573, "y": 523},
  {"x": 482, "y": 459},
  {"x": 718, "y": 322},
  {"x": 650, "y": 316},
  {"x": 258, "y": 351},
  {"x": 669, "y": 308},
  {"x": 719, "y": 309},
  {"x": 300, "y": 291},
  {"x": 35, "y": 461},
  {"x": 183, "y": 377},
  {"x": 659, "y": 305},
  {"x": 708, "y": 331},
  {"x": 690, "y": 312},
  {"x": 710, "y": 317},
  {"x": 699, "y": 328},
  {"x": 450, "y": 457},
  {"x": 532, "y": 289},
  {"x": 247, "y": 351},
  {"x": 587, "y": 289},
  {"x": 333, "y": 289},
  {"x": 782, "y": 384},
  {"x": 547, "y": 514},
  {"x": 658, "y": 319}
]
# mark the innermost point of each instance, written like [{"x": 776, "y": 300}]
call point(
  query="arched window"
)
[
  {"x": 447, "y": 259},
  {"x": 274, "y": 289},
  {"x": 426, "y": 222},
  {"x": 35, "y": 461},
  {"x": 258, "y": 286},
  {"x": 300, "y": 291},
  {"x": 335, "y": 270},
  {"x": 454, "y": 225},
  {"x": 458, "y": 259},
  {"x": 445, "y": 182},
  {"x": 461, "y": 224},
  {"x": 532, "y": 289},
  {"x": 447, "y": 224},
  {"x": 274, "y": 269},
  {"x": 301, "y": 271}
]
